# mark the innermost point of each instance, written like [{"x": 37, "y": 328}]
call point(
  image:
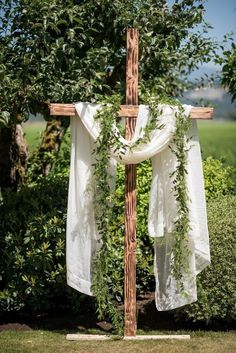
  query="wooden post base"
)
[{"x": 84, "y": 337}]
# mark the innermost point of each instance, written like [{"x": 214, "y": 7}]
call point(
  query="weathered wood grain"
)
[
  {"x": 130, "y": 190},
  {"x": 60, "y": 109}
]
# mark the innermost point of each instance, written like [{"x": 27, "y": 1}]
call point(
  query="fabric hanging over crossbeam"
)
[{"x": 82, "y": 236}]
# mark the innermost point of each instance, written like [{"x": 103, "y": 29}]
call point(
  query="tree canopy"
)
[
  {"x": 74, "y": 50},
  {"x": 229, "y": 71}
]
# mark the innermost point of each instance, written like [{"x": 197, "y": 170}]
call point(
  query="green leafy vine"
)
[
  {"x": 106, "y": 306},
  {"x": 179, "y": 147},
  {"x": 107, "y": 141}
]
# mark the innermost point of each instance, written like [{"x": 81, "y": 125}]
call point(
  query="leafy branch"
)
[{"x": 108, "y": 141}]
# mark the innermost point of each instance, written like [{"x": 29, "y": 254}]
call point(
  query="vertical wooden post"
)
[{"x": 130, "y": 189}]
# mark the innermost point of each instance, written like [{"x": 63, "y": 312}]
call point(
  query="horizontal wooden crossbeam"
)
[{"x": 60, "y": 109}]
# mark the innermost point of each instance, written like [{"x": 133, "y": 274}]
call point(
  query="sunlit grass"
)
[
  {"x": 33, "y": 133},
  {"x": 55, "y": 342},
  {"x": 218, "y": 139}
]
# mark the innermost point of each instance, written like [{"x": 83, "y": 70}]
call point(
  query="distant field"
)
[
  {"x": 218, "y": 139},
  {"x": 33, "y": 132}
]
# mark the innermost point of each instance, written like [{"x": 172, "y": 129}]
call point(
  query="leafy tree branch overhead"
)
[
  {"x": 66, "y": 51},
  {"x": 229, "y": 71}
]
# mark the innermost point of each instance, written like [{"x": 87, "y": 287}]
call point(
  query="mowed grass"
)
[
  {"x": 33, "y": 133},
  {"x": 218, "y": 139},
  {"x": 55, "y": 342}
]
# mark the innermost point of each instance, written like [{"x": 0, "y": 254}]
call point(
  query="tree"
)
[
  {"x": 13, "y": 149},
  {"x": 229, "y": 71},
  {"x": 66, "y": 51}
]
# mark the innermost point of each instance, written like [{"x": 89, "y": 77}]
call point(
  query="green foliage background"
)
[
  {"x": 229, "y": 70},
  {"x": 217, "y": 283},
  {"x": 61, "y": 51},
  {"x": 32, "y": 236}
]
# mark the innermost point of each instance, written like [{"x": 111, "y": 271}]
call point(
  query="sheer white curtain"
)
[{"x": 82, "y": 237}]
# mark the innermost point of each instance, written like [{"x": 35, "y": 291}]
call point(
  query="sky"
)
[{"x": 221, "y": 14}]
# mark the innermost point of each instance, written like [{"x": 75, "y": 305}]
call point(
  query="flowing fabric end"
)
[
  {"x": 169, "y": 295},
  {"x": 162, "y": 216},
  {"x": 79, "y": 284},
  {"x": 82, "y": 236}
]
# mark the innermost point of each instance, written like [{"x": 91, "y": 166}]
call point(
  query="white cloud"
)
[{"x": 214, "y": 93}]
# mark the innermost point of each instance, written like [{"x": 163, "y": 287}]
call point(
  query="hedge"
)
[
  {"x": 217, "y": 283},
  {"x": 32, "y": 236}
]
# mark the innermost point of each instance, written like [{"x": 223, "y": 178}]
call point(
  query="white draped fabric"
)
[{"x": 82, "y": 236}]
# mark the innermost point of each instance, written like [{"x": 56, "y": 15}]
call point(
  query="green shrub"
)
[
  {"x": 217, "y": 283},
  {"x": 218, "y": 181},
  {"x": 218, "y": 178},
  {"x": 145, "y": 278},
  {"x": 32, "y": 239},
  {"x": 32, "y": 236}
]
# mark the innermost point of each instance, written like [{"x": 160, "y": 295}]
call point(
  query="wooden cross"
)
[{"x": 130, "y": 111}]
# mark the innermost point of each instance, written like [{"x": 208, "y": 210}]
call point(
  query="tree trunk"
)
[
  {"x": 13, "y": 157},
  {"x": 51, "y": 143}
]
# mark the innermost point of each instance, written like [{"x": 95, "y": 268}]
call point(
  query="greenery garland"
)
[
  {"x": 107, "y": 141},
  {"x": 106, "y": 306},
  {"x": 180, "y": 249}
]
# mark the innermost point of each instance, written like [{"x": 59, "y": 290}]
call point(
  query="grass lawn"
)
[
  {"x": 55, "y": 342},
  {"x": 33, "y": 132},
  {"x": 218, "y": 139}
]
